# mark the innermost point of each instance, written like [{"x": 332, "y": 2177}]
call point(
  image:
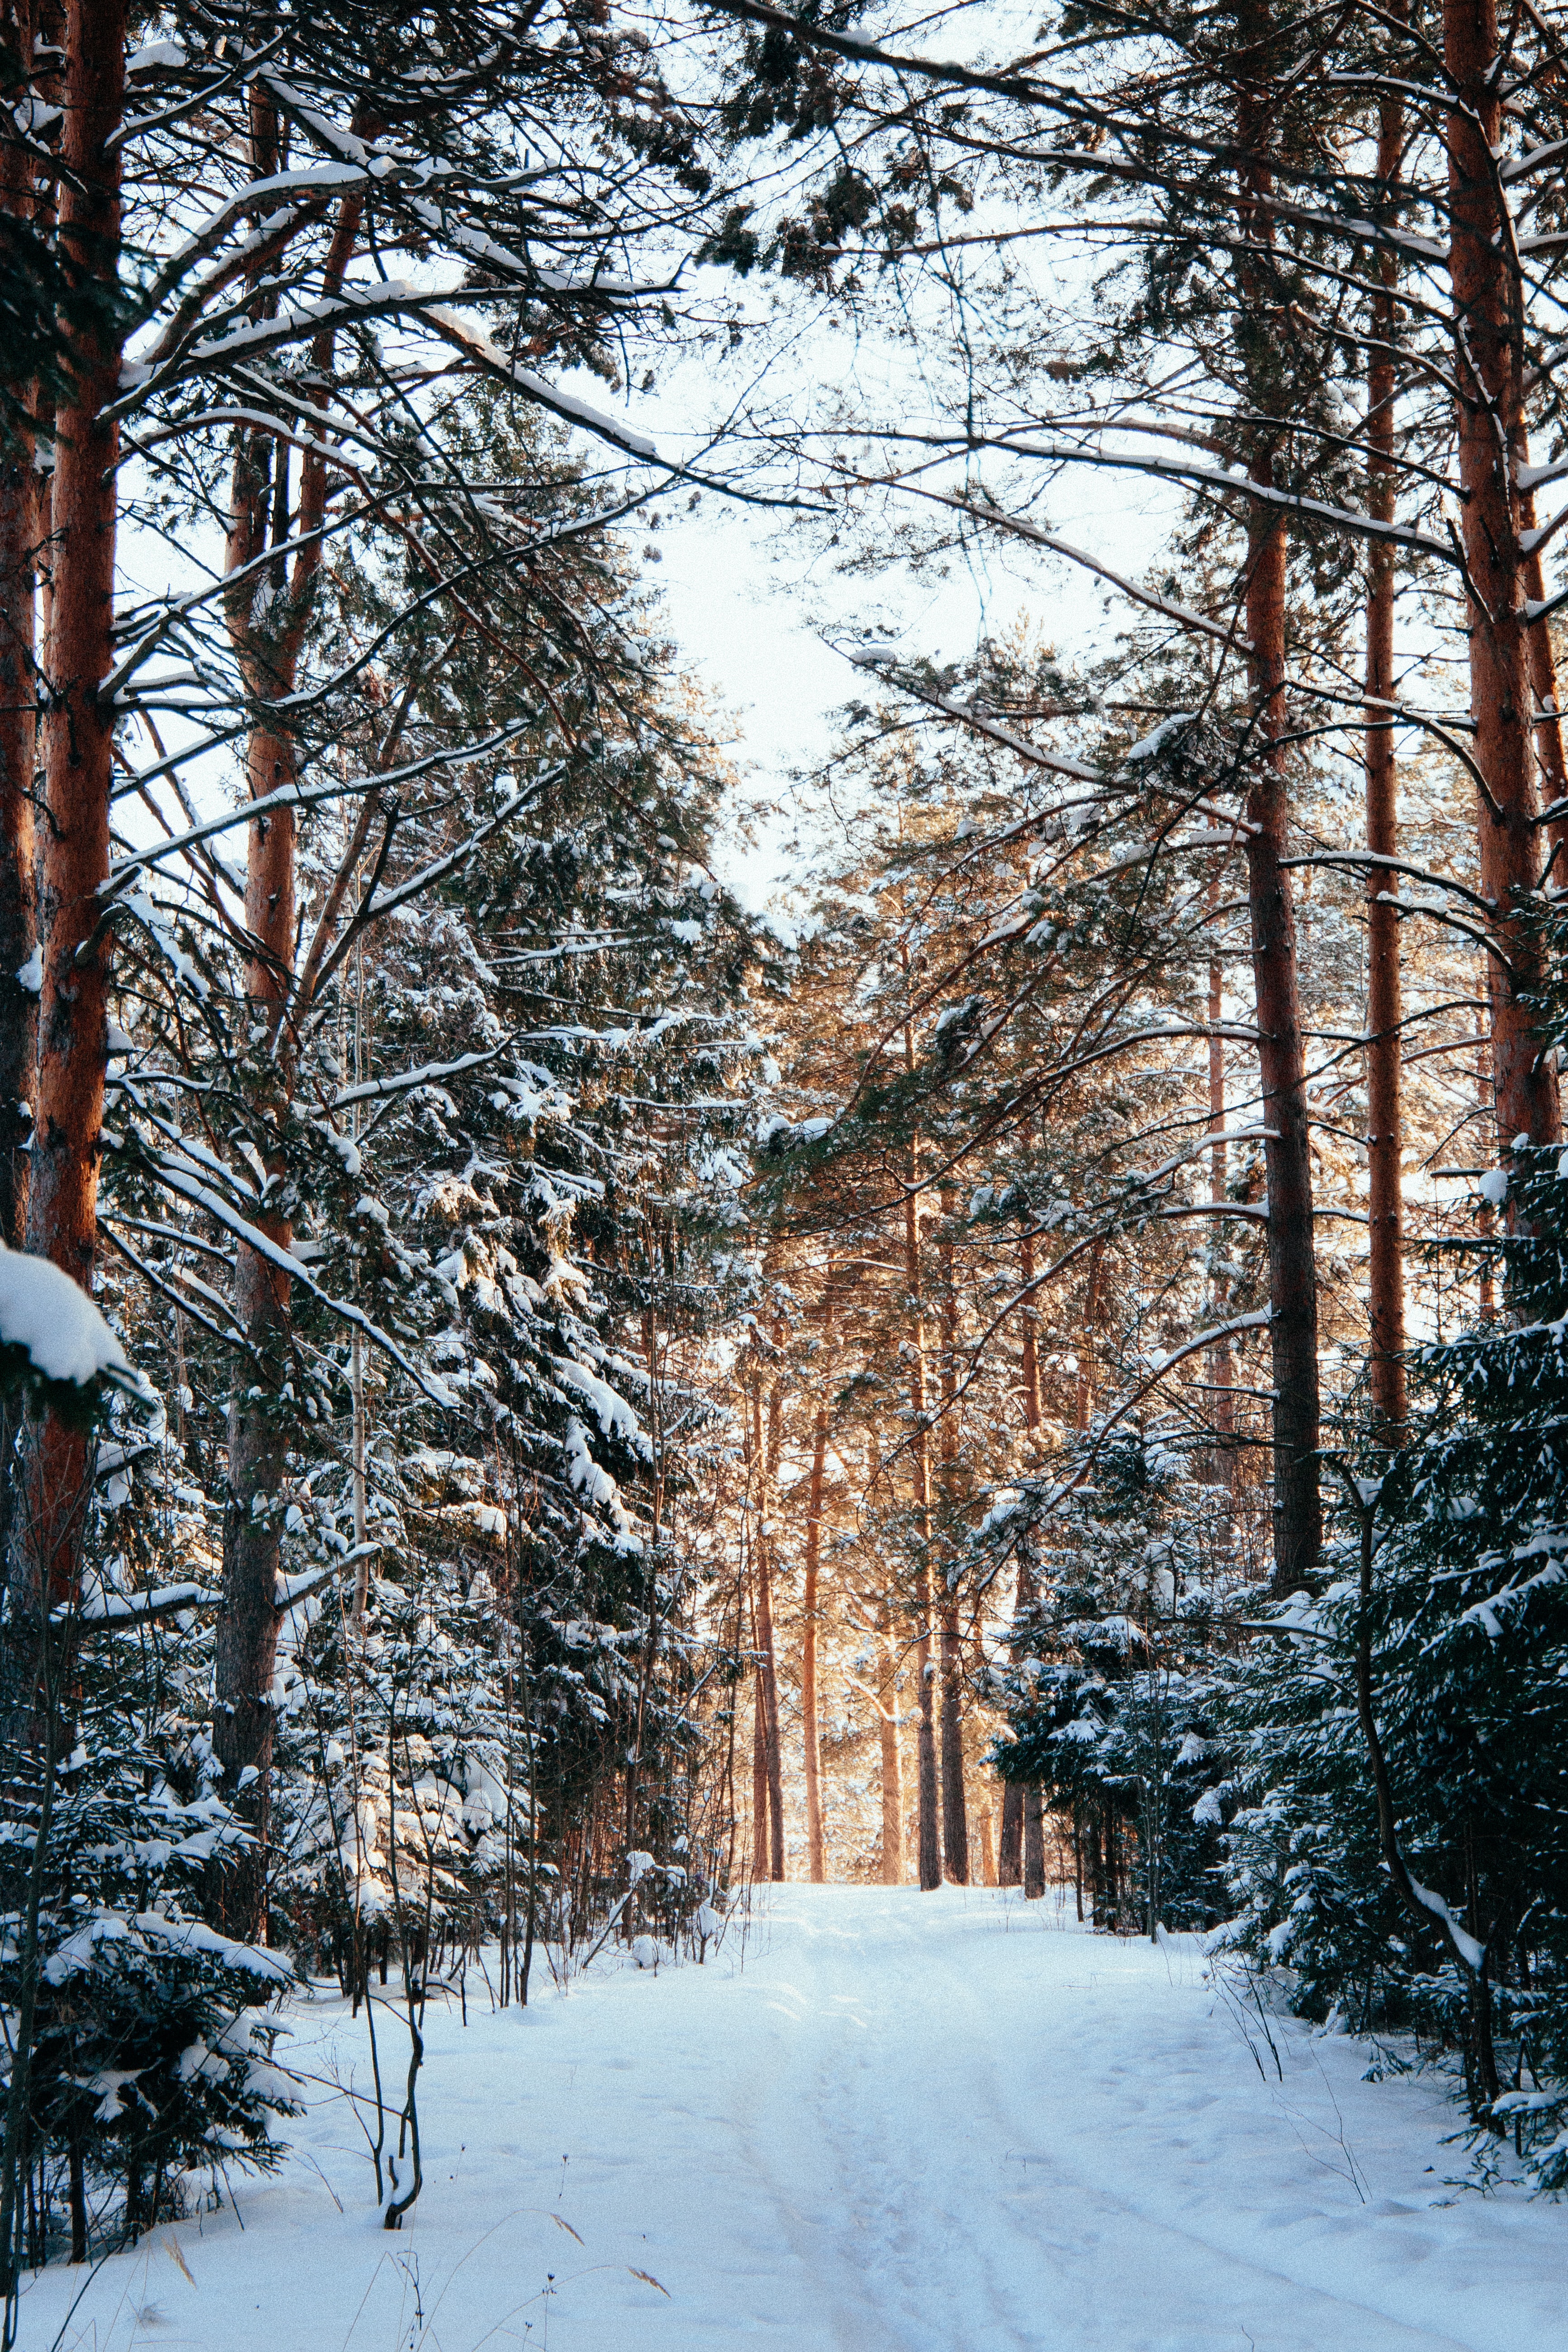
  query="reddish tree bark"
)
[
  {"x": 1487, "y": 366},
  {"x": 1385, "y": 1124},
  {"x": 23, "y": 498},
  {"x": 62, "y": 1203}
]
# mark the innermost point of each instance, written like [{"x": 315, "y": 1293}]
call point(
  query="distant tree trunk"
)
[
  {"x": 770, "y": 1646},
  {"x": 954, "y": 1811},
  {"x": 1486, "y": 1217},
  {"x": 1222, "y": 1368},
  {"x": 892, "y": 1761},
  {"x": 68, "y": 1101},
  {"x": 1084, "y": 1402},
  {"x": 987, "y": 1851},
  {"x": 810, "y": 1725},
  {"x": 1010, "y": 1845},
  {"x": 919, "y": 1449},
  {"x": 759, "y": 1764},
  {"x": 1547, "y": 722},
  {"x": 1385, "y": 1135},
  {"x": 767, "y": 1672},
  {"x": 929, "y": 1840},
  {"x": 1034, "y": 1842},
  {"x": 1488, "y": 364}
]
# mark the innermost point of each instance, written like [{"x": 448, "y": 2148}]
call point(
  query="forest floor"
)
[{"x": 887, "y": 2122}]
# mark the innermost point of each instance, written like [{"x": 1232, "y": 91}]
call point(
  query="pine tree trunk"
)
[
  {"x": 23, "y": 499},
  {"x": 1034, "y": 1842},
  {"x": 770, "y": 1462},
  {"x": 268, "y": 633},
  {"x": 810, "y": 1726},
  {"x": 1292, "y": 1267},
  {"x": 1486, "y": 1216},
  {"x": 1385, "y": 1125},
  {"x": 1488, "y": 365},
  {"x": 1222, "y": 1368},
  {"x": 1010, "y": 1845},
  {"x": 62, "y": 1201},
  {"x": 23, "y": 506},
  {"x": 892, "y": 1761},
  {"x": 954, "y": 1811},
  {"x": 1547, "y": 729},
  {"x": 1084, "y": 1402},
  {"x": 759, "y": 1768},
  {"x": 919, "y": 1451}
]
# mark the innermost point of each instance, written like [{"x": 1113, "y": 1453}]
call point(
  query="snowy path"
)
[{"x": 947, "y": 2123}]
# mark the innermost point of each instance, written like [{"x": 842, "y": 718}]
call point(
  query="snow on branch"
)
[
  {"x": 488, "y": 355},
  {"x": 203, "y": 1197},
  {"x": 53, "y": 1338},
  {"x": 308, "y": 796}
]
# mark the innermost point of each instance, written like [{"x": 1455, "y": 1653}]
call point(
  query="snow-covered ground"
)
[{"x": 897, "y": 2123}]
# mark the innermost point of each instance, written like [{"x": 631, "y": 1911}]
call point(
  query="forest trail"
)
[{"x": 892, "y": 2123}]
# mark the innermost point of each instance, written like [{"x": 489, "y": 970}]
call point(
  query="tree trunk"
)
[
  {"x": 1222, "y": 1364},
  {"x": 1292, "y": 1267},
  {"x": 816, "y": 1860},
  {"x": 759, "y": 1765},
  {"x": 55, "y": 1479},
  {"x": 1084, "y": 1401},
  {"x": 1010, "y": 1845},
  {"x": 1488, "y": 363},
  {"x": 268, "y": 635},
  {"x": 920, "y": 1450},
  {"x": 954, "y": 1811},
  {"x": 769, "y": 1461},
  {"x": 1034, "y": 1843},
  {"x": 1385, "y": 1125},
  {"x": 23, "y": 501},
  {"x": 892, "y": 1761},
  {"x": 1486, "y": 1216},
  {"x": 1547, "y": 729}
]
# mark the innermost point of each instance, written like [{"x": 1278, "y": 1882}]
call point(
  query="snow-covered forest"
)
[{"x": 1012, "y": 1371}]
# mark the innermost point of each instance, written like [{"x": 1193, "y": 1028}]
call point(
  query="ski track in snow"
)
[{"x": 897, "y": 2123}]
